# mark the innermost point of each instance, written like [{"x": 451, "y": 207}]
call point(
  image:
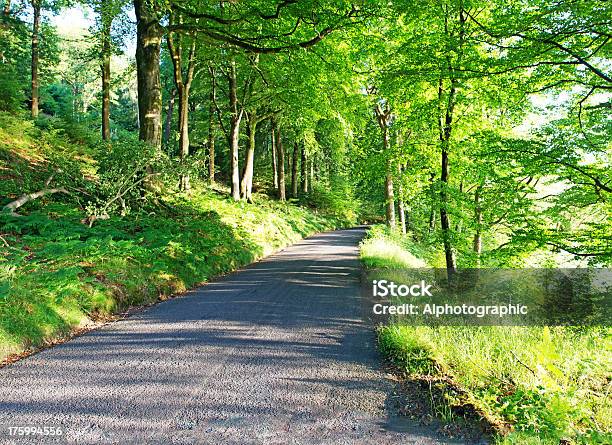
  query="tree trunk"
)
[
  {"x": 281, "y": 166},
  {"x": 312, "y": 175},
  {"x": 383, "y": 116},
  {"x": 211, "y": 136},
  {"x": 7, "y": 8},
  {"x": 445, "y": 128},
  {"x": 169, "y": 113},
  {"x": 274, "y": 158},
  {"x": 432, "y": 212},
  {"x": 444, "y": 219},
  {"x": 35, "y": 38},
  {"x": 389, "y": 197},
  {"x": 234, "y": 130},
  {"x": 478, "y": 221},
  {"x": 294, "y": 170},
  {"x": 183, "y": 86},
  {"x": 389, "y": 194},
  {"x": 246, "y": 185},
  {"x": 106, "y": 19},
  {"x": 184, "y": 136},
  {"x": 304, "y": 170},
  {"x": 445, "y": 122},
  {"x": 400, "y": 202},
  {"x": 148, "y": 43}
]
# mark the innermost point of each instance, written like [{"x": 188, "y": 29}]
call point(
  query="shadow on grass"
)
[{"x": 56, "y": 271}]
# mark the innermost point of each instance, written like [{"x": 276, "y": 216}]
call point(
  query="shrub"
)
[{"x": 125, "y": 168}]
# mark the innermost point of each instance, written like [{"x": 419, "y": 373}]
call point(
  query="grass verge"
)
[
  {"x": 56, "y": 274},
  {"x": 538, "y": 385}
]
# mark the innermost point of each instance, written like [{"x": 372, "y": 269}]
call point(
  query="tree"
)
[
  {"x": 280, "y": 162},
  {"x": 235, "y": 30},
  {"x": 183, "y": 86},
  {"x": 149, "y": 33},
  {"x": 384, "y": 117},
  {"x": 106, "y": 13},
  {"x": 36, "y": 9}
]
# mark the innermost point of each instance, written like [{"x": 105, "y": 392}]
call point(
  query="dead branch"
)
[
  {"x": 27, "y": 197},
  {"x": 520, "y": 362}
]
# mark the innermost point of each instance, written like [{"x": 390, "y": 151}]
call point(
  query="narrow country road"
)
[{"x": 276, "y": 353}]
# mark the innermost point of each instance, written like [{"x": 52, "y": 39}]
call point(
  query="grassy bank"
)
[
  {"x": 58, "y": 274},
  {"x": 539, "y": 384}
]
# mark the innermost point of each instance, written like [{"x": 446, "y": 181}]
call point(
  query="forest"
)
[{"x": 148, "y": 146}]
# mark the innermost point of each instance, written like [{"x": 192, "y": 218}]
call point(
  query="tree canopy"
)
[{"x": 479, "y": 127}]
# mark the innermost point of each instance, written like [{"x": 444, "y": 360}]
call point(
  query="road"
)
[{"x": 276, "y": 353}]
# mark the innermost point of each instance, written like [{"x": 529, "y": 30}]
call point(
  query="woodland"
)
[
  {"x": 483, "y": 127},
  {"x": 147, "y": 146}
]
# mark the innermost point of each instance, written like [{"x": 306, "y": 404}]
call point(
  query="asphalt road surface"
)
[{"x": 276, "y": 353}]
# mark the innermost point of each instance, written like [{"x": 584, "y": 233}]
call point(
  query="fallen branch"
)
[
  {"x": 520, "y": 362},
  {"x": 27, "y": 197}
]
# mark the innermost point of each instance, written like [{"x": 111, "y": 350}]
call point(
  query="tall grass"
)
[{"x": 544, "y": 383}]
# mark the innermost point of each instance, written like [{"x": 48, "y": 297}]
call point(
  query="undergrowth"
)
[{"x": 538, "y": 385}]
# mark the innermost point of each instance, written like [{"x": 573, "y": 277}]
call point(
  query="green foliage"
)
[
  {"x": 124, "y": 168},
  {"x": 336, "y": 201},
  {"x": 548, "y": 383},
  {"x": 387, "y": 249},
  {"x": 11, "y": 95},
  {"x": 57, "y": 274}
]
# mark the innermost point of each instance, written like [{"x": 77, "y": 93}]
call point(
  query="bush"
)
[
  {"x": 125, "y": 168},
  {"x": 336, "y": 200},
  {"x": 11, "y": 94}
]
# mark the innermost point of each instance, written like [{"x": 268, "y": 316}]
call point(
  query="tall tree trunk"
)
[
  {"x": 312, "y": 175},
  {"x": 184, "y": 136},
  {"x": 246, "y": 185},
  {"x": 400, "y": 201},
  {"x": 445, "y": 122},
  {"x": 211, "y": 134},
  {"x": 184, "y": 129},
  {"x": 304, "y": 170},
  {"x": 294, "y": 170},
  {"x": 389, "y": 196},
  {"x": 107, "y": 19},
  {"x": 281, "y": 165},
  {"x": 234, "y": 130},
  {"x": 444, "y": 219},
  {"x": 35, "y": 39},
  {"x": 7, "y": 8},
  {"x": 183, "y": 86},
  {"x": 383, "y": 117},
  {"x": 432, "y": 195},
  {"x": 148, "y": 42},
  {"x": 478, "y": 221},
  {"x": 169, "y": 114},
  {"x": 445, "y": 130},
  {"x": 274, "y": 158}
]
